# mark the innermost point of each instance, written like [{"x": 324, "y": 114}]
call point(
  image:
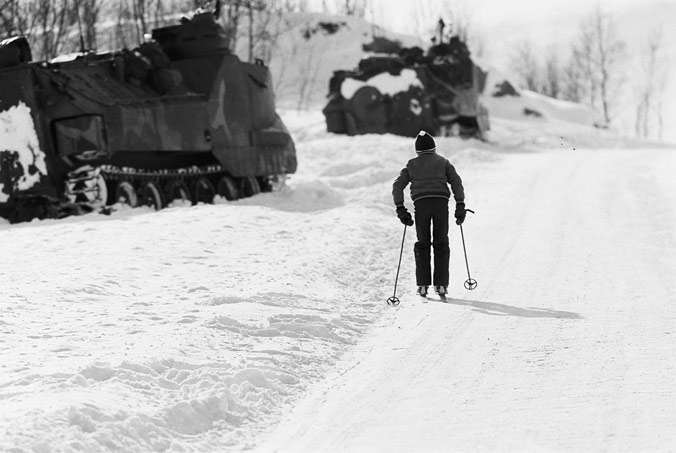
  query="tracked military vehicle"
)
[
  {"x": 404, "y": 90},
  {"x": 179, "y": 117}
]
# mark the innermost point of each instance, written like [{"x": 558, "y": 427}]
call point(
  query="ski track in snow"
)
[{"x": 198, "y": 329}]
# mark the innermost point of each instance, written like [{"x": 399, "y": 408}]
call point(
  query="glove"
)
[
  {"x": 460, "y": 213},
  {"x": 404, "y": 216}
]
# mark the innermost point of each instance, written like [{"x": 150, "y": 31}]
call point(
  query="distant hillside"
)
[{"x": 634, "y": 24}]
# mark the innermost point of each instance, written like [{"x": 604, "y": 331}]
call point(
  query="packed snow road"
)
[
  {"x": 567, "y": 344},
  {"x": 204, "y": 328}
]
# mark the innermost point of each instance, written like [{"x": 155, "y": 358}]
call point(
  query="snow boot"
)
[
  {"x": 422, "y": 291},
  {"x": 441, "y": 291}
]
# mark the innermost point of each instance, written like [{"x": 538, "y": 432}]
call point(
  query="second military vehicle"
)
[{"x": 407, "y": 90}]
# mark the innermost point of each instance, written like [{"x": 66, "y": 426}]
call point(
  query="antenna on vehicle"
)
[
  {"x": 440, "y": 30},
  {"x": 79, "y": 26}
]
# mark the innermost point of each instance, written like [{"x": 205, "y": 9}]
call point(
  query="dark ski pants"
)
[{"x": 431, "y": 212}]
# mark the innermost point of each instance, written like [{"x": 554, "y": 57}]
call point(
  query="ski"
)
[
  {"x": 437, "y": 299},
  {"x": 425, "y": 296}
]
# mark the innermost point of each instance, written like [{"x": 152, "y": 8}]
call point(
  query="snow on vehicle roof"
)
[{"x": 385, "y": 82}]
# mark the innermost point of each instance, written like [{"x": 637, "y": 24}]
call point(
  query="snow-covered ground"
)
[
  {"x": 567, "y": 344},
  {"x": 261, "y": 324}
]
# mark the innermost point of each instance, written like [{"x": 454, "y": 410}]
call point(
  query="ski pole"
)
[
  {"x": 394, "y": 300},
  {"x": 470, "y": 283}
]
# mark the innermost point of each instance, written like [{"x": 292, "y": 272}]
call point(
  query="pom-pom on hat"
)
[{"x": 424, "y": 143}]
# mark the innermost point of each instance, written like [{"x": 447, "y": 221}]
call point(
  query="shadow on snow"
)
[{"x": 491, "y": 308}]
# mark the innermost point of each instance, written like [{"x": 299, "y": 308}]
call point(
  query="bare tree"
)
[
  {"x": 264, "y": 18},
  {"x": 270, "y": 26},
  {"x": 663, "y": 82},
  {"x": 89, "y": 16},
  {"x": 551, "y": 85},
  {"x": 251, "y": 31},
  {"x": 164, "y": 12},
  {"x": 254, "y": 27},
  {"x": 651, "y": 85},
  {"x": 572, "y": 80},
  {"x": 13, "y": 20},
  {"x": 146, "y": 14},
  {"x": 28, "y": 17},
  {"x": 355, "y": 8},
  {"x": 134, "y": 18},
  {"x": 295, "y": 6},
  {"x": 122, "y": 33},
  {"x": 281, "y": 69},
  {"x": 308, "y": 78},
  {"x": 603, "y": 51},
  {"x": 583, "y": 58},
  {"x": 525, "y": 65},
  {"x": 49, "y": 26},
  {"x": 139, "y": 8},
  {"x": 234, "y": 13}
]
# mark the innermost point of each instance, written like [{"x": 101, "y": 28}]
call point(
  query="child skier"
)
[{"x": 429, "y": 175}]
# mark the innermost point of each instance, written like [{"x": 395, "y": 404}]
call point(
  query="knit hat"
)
[{"x": 424, "y": 143}]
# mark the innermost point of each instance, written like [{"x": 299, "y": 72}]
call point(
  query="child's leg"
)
[
  {"x": 423, "y": 220},
  {"x": 442, "y": 252}
]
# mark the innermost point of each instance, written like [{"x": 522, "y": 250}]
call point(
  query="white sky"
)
[{"x": 487, "y": 12}]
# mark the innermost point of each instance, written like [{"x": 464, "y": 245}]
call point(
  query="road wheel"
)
[
  {"x": 250, "y": 186},
  {"x": 151, "y": 195},
  {"x": 227, "y": 188},
  {"x": 126, "y": 194},
  {"x": 454, "y": 130},
  {"x": 350, "y": 125},
  {"x": 99, "y": 192},
  {"x": 204, "y": 191},
  {"x": 177, "y": 190}
]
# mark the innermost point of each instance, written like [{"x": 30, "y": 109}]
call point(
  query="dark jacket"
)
[{"x": 429, "y": 175}]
